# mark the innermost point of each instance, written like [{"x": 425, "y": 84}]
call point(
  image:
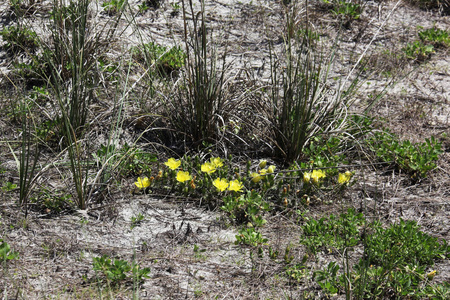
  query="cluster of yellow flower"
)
[
  {"x": 209, "y": 168},
  {"x": 222, "y": 184},
  {"x": 174, "y": 164},
  {"x": 257, "y": 176},
  {"x": 344, "y": 178},
  {"x": 315, "y": 176},
  {"x": 143, "y": 183}
]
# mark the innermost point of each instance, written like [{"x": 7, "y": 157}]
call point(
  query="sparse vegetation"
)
[
  {"x": 415, "y": 159},
  {"x": 117, "y": 271},
  {"x": 234, "y": 158},
  {"x": 6, "y": 253}
]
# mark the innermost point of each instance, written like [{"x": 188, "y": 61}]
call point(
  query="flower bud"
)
[
  {"x": 306, "y": 177},
  {"x": 262, "y": 164}
]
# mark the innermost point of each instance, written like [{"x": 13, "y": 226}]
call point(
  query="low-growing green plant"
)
[
  {"x": 323, "y": 153},
  {"x": 108, "y": 69},
  {"x": 347, "y": 9},
  {"x": 394, "y": 262},
  {"x": 328, "y": 278},
  {"x": 136, "y": 221},
  {"x": 6, "y": 253},
  {"x": 175, "y": 8},
  {"x": 401, "y": 253},
  {"x": 128, "y": 160},
  {"x": 146, "y": 5},
  {"x": 436, "y": 291},
  {"x": 246, "y": 208},
  {"x": 333, "y": 232},
  {"x": 8, "y": 186},
  {"x": 250, "y": 237},
  {"x": 416, "y": 159},
  {"x": 198, "y": 253},
  {"x": 404, "y": 243},
  {"x": 52, "y": 200},
  {"x": 19, "y": 39},
  {"x": 418, "y": 50},
  {"x": 164, "y": 60},
  {"x": 118, "y": 271},
  {"x": 436, "y": 36},
  {"x": 113, "y": 7},
  {"x": 143, "y": 7},
  {"x": 298, "y": 272}
]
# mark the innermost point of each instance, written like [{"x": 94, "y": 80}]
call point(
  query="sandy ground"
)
[{"x": 56, "y": 250}]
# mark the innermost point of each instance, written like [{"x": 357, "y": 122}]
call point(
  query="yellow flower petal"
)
[
  {"x": 344, "y": 178},
  {"x": 221, "y": 184},
  {"x": 271, "y": 169},
  {"x": 263, "y": 171},
  {"x": 431, "y": 275},
  {"x": 217, "y": 162},
  {"x": 208, "y": 168},
  {"x": 235, "y": 185},
  {"x": 142, "y": 183},
  {"x": 256, "y": 177},
  {"x": 306, "y": 177},
  {"x": 316, "y": 175},
  {"x": 183, "y": 176},
  {"x": 173, "y": 163}
]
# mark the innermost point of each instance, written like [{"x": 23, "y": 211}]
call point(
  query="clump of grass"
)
[
  {"x": 73, "y": 74},
  {"x": 196, "y": 109},
  {"x": 29, "y": 152},
  {"x": 302, "y": 104}
]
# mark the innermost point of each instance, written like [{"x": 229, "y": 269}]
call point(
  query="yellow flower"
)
[
  {"x": 221, "y": 184},
  {"x": 142, "y": 183},
  {"x": 235, "y": 185},
  {"x": 173, "y": 163},
  {"x": 344, "y": 178},
  {"x": 316, "y": 175},
  {"x": 208, "y": 168},
  {"x": 183, "y": 176},
  {"x": 256, "y": 177},
  {"x": 217, "y": 162},
  {"x": 306, "y": 177},
  {"x": 271, "y": 169},
  {"x": 262, "y": 164},
  {"x": 431, "y": 275},
  {"x": 263, "y": 171}
]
